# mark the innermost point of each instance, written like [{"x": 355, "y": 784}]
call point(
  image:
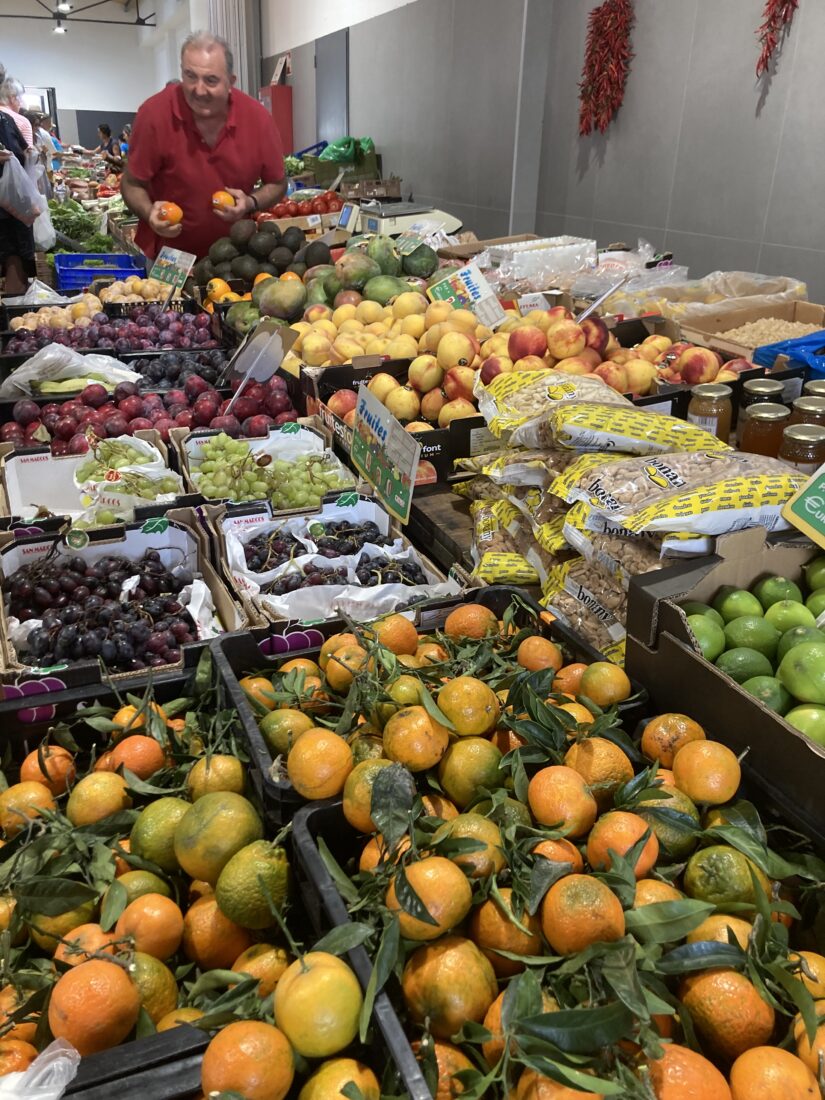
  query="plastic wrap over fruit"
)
[
  {"x": 56, "y": 363},
  {"x": 47, "y": 1078}
]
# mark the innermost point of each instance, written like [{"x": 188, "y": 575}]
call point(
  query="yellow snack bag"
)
[
  {"x": 494, "y": 550},
  {"x": 518, "y": 402},
  {"x": 583, "y": 427}
]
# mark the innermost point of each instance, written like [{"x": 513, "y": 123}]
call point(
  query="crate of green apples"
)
[{"x": 770, "y": 638}]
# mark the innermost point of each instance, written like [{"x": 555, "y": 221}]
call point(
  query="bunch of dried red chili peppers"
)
[
  {"x": 776, "y": 22},
  {"x": 606, "y": 64}
]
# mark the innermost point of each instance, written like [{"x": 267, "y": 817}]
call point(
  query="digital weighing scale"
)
[{"x": 391, "y": 218}]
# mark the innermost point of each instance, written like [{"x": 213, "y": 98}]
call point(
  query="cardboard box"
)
[
  {"x": 178, "y": 539},
  {"x": 473, "y": 248},
  {"x": 439, "y": 447},
  {"x": 311, "y": 223},
  {"x": 708, "y": 331},
  {"x": 786, "y": 766},
  {"x": 350, "y": 506}
]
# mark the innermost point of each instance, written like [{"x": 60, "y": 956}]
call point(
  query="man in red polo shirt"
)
[{"x": 193, "y": 139}]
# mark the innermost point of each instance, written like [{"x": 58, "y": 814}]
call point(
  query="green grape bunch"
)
[{"x": 110, "y": 454}]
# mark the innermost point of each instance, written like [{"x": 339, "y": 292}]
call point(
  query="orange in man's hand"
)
[
  {"x": 222, "y": 200},
  {"x": 171, "y": 212}
]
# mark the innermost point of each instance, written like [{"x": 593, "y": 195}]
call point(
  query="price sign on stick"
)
[
  {"x": 806, "y": 510},
  {"x": 385, "y": 454},
  {"x": 468, "y": 289},
  {"x": 173, "y": 267},
  {"x": 260, "y": 355}
]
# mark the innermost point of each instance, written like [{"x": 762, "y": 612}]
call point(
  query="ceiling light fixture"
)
[
  {"x": 64, "y": 7},
  {"x": 60, "y": 29}
]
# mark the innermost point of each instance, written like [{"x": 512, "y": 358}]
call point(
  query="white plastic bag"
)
[
  {"x": 47, "y": 1078},
  {"x": 44, "y": 234},
  {"x": 18, "y": 193},
  {"x": 56, "y": 362}
]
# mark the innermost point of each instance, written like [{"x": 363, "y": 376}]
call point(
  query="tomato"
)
[
  {"x": 291, "y": 209},
  {"x": 334, "y": 205},
  {"x": 279, "y": 210},
  {"x": 319, "y": 207},
  {"x": 305, "y": 207},
  {"x": 265, "y": 216},
  {"x": 328, "y": 196}
]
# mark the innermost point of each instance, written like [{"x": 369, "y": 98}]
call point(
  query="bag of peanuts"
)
[
  {"x": 519, "y": 467},
  {"x": 519, "y": 401},
  {"x": 494, "y": 550},
  {"x": 621, "y": 488},
  {"x": 605, "y": 635},
  {"x": 617, "y": 557},
  {"x": 672, "y": 544},
  {"x": 583, "y": 427}
]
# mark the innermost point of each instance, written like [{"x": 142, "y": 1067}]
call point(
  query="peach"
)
[
  {"x": 403, "y": 402},
  {"x": 349, "y": 419},
  {"x": 675, "y": 350},
  {"x": 317, "y": 312},
  {"x": 496, "y": 364},
  {"x": 381, "y": 384},
  {"x": 437, "y": 312},
  {"x": 496, "y": 345},
  {"x": 590, "y": 356},
  {"x": 425, "y": 373},
  {"x": 727, "y": 376},
  {"x": 432, "y": 402},
  {"x": 464, "y": 320},
  {"x": 315, "y": 349},
  {"x": 455, "y": 349},
  {"x": 661, "y": 342},
  {"x": 614, "y": 375},
  {"x": 531, "y": 362},
  {"x": 510, "y": 325},
  {"x": 559, "y": 313},
  {"x": 342, "y": 401},
  {"x": 565, "y": 339},
  {"x": 459, "y": 382},
  {"x": 623, "y": 355},
  {"x": 612, "y": 345},
  {"x": 737, "y": 366},
  {"x": 595, "y": 333},
  {"x": 418, "y": 426},
  {"x": 576, "y": 364},
  {"x": 641, "y": 376},
  {"x": 526, "y": 341},
  {"x": 457, "y": 409},
  {"x": 540, "y": 318},
  {"x": 695, "y": 366},
  {"x": 647, "y": 351}
]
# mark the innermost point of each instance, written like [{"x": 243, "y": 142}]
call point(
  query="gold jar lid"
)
[
  {"x": 768, "y": 410},
  {"x": 765, "y": 386},
  {"x": 810, "y": 404},
  {"x": 805, "y": 433},
  {"x": 814, "y": 388},
  {"x": 713, "y": 391}
]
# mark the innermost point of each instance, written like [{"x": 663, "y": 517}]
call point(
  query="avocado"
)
[
  {"x": 224, "y": 270},
  {"x": 294, "y": 238},
  {"x": 280, "y": 258},
  {"x": 241, "y": 232},
  {"x": 317, "y": 252},
  {"x": 203, "y": 271},
  {"x": 267, "y": 268},
  {"x": 262, "y": 244},
  {"x": 299, "y": 269},
  {"x": 245, "y": 267},
  {"x": 300, "y": 256},
  {"x": 222, "y": 250}
]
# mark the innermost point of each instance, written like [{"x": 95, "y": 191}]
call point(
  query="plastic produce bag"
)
[
  {"x": 714, "y": 296},
  {"x": 18, "y": 193},
  {"x": 44, "y": 234},
  {"x": 47, "y": 1078},
  {"x": 41, "y": 294},
  {"x": 805, "y": 349},
  {"x": 55, "y": 363}
]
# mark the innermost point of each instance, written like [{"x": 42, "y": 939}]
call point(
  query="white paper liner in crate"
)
[
  {"x": 154, "y": 464},
  {"x": 355, "y": 600},
  {"x": 57, "y": 362}
]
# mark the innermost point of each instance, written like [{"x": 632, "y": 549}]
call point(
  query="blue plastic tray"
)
[{"x": 73, "y": 274}]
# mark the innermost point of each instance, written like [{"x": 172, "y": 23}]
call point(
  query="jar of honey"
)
[
  {"x": 803, "y": 447},
  {"x": 761, "y": 427},
  {"x": 809, "y": 410},
  {"x": 814, "y": 388},
  {"x": 710, "y": 408},
  {"x": 754, "y": 392}
]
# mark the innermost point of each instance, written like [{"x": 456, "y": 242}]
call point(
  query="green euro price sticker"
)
[
  {"x": 384, "y": 454},
  {"x": 806, "y": 509}
]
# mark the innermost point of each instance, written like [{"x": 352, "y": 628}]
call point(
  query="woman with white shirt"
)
[{"x": 17, "y": 262}]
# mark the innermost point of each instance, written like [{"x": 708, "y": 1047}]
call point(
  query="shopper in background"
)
[
  {"x": 46, "y": 129},
  {"x": 11, "y": 101},
  {"x": 16, "y": 239},
  {"x": 107, "y": 142},
  {"x": 193, "y": 139}
]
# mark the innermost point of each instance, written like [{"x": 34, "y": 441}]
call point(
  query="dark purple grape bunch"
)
[
  {"x": 344, "y": 537},
  {"x": 383, "y": 570},
  {"x": 83, "y": 615},
  {"x": 266, "y": 552},
  {"x": 308, "y": 576}
]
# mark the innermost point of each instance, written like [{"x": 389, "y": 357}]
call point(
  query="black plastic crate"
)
[
  {"x": 326, "y": 909},
  {"x": 126, "y": 309},
  {"x": 263, "y": 651},
  {"x": 166, "y": 1066}
]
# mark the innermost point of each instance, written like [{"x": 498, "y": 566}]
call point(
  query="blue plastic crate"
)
[{"x": 73, "y": 274}]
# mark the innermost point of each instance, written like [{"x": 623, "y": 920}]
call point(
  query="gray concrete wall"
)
[
  {"x": 434, "y": 84},
  {"x": 694, "y": 162}
]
